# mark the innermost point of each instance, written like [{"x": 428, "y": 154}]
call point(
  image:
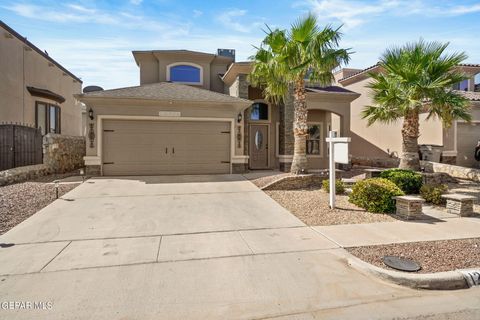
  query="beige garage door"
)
[
  {"x": 467, "y": 139},
  {"x": 165, "y": 147}
]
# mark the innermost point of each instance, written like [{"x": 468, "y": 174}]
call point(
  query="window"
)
[
  {"x": 463, "y": 86},
  {"x": 184, "y": 73},
  {"x": 259, "y": 111},
  {"x": 47, "y": 118},
  {"x": 314, "y": 139}
]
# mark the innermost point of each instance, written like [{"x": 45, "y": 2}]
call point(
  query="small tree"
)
[
  {"x": 286, "y": 59},
  {"x": 416, "y": 78}
]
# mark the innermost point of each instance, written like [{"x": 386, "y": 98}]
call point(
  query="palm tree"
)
[
  {"x": 286, "y": 59},
  {"x": 416, "y": 78}
]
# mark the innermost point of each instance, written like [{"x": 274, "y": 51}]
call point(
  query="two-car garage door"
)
[{"x": 141, "y": 147}]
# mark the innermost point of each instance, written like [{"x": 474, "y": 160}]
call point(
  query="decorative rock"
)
[
  {"x": 453, "y": 171},
  {"x": 349, "y": 183},
  {"x": 372, "y": 173},
  {"x": 437, "y": 178},
  {"x": 409, "y": 207},
  {"x": 63, "y": 153},
  {"x": 23, "y": 173},
  {"x": 459, "y": 204},
  {"x": 293, "y": 182},
  {"x": 375, "y": 162}
]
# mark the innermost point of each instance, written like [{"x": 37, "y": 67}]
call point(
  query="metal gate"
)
[{"x": 19, "y": 146}]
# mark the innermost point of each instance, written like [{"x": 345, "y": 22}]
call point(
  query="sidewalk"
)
[{"x": 438, "y": 226}]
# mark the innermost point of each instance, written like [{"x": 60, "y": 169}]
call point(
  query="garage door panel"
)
[{"x": 139, "y": 147}]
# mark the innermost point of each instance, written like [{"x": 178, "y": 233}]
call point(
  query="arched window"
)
[
  {"x": 184, "y": 73},
  {"x": 259, "y": 111}
]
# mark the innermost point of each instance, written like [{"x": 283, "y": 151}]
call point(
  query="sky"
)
[{"x": 94, "y": 39}]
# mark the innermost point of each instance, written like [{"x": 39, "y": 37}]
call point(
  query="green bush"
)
[
  {"x": 375, "y": 195},
  {"x": 432, "y": 193},
  {"x": 409, "y": 181},
  {"x": 339, "y": 186}
]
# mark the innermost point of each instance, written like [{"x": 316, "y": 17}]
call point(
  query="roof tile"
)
[{"x": 166, "y": 91}]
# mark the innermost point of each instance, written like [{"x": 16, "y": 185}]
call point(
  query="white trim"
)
[
  {"x": 92, "y": 161},
  {"x": 450, "y": 153},
  {"x": 467, "y": 122},
  {"x": 100, "y": 119},
  {"x": 320, "y": 144},
  {"x": 240, "y": 159},
  {"x": 455, "y": 136},
  {"x": 185, "y": 64},
  {"x": 285, "y": 158},
  {"x": 277, "y": 139}
]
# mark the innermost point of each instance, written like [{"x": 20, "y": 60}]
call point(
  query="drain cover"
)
[{"x": 401, "y": 264}]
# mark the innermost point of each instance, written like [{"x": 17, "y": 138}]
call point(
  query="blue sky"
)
[{"x": 94, "y": 39}]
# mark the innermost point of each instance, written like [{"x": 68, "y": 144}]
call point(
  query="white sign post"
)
[{"x": 338, "y": 154}]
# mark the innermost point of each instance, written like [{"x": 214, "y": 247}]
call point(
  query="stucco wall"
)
[
  {"x": 374, "y": 141},
  {"x": 153, "y": 66},
  {"x": 19, "y": 68}
]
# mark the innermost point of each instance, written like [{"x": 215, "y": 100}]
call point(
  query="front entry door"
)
[{"x": 258, "y": 146}]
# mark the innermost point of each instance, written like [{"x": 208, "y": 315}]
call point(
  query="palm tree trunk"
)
[
  {"x": 410, "y": 132},
  {"x": 300, "y": 129}
]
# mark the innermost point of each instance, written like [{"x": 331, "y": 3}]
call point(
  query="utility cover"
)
[{"x": 401, "y": 264}]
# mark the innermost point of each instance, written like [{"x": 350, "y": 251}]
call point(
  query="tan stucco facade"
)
[
  {"x": 154, "y": 66},
  {"x": 385, "y": 140},
  {"x": 22, "y": 66}
]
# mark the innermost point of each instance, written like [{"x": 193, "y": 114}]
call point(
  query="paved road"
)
[{"x": 192, "y": 247}]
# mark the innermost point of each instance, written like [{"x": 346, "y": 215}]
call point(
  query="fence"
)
[{"x": 20, "y": 145}]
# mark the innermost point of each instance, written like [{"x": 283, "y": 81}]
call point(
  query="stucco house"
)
[
  {"x": 195, "y": 112},
  {"x": 35, "y": 89},
  {"x": 383, "y": 141}
]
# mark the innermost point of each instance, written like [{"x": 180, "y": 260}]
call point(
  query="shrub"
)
[
  {"x": 339, "y": 186},
  {"x": 432, "y": 193},
  {"x": 408, "y": 181},
  {"x": 375, "y": 195}
]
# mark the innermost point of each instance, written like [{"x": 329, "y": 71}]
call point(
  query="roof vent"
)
[
  {"x": 92, "y": 89},
  {"x": 230, "y": 53}
]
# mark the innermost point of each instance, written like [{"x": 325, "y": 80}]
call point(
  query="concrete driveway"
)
[{"x": 186, "y": 247}]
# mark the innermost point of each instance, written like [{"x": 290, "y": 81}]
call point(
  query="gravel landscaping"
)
[
  {"x": 433, "y": 256},
  {"x": 311, "y": 206},
  {"x": 21, "y": 200}
]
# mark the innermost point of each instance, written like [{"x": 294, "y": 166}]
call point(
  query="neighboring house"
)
[
  {"x": 196, "y": 113},
  {"x": 35, "y": 89},
  {"x": 383, "y": 140}
]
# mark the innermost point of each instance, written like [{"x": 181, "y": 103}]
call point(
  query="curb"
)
[{"x": 449, "y": 280}]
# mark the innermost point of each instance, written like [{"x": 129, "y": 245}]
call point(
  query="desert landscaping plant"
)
[
  {"x": 408, "y": 181},
  {"x": 417, "y": 78},
  {"x": 286, "y": 59},
  {"x": 432, "y": 193},
  {"x": 339, "y": 186},
  {"x": 375, "y": 195}
]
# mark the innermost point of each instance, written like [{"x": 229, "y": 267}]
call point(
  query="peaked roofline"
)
[
  {"x": 180, "y": 51},
  {"x": 135, "y": 92},
  {"x": 36, "y": 49},
  {"x": 376, "y": 66}
]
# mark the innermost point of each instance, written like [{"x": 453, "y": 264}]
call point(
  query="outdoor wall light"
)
[
  {"x": 90, "y": 113},
  {"x": 239, "y": 117}
]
